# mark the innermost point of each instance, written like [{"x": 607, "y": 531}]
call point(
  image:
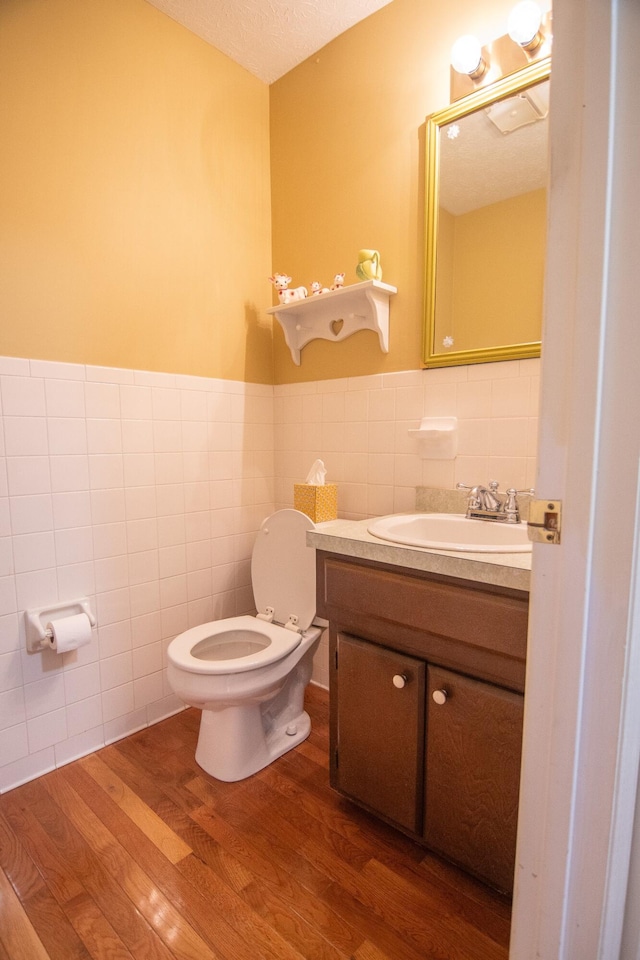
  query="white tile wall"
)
[
  {"x": 360, "y": 428},
  {"x": 143, "y": 491}
]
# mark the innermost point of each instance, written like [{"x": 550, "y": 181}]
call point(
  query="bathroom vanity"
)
[{"x": 427, "y": 668}]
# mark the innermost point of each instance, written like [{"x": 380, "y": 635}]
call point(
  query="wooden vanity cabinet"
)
[
  {"x": 472, "y": 774},
  {"x": 426, "y": 683},
  {"x": 382, "y": 722}
]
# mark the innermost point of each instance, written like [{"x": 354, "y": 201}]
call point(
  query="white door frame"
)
[{"x": 576, "y": 859}]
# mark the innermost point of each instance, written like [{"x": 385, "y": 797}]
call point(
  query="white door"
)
[{"x": 577, "y": 873}]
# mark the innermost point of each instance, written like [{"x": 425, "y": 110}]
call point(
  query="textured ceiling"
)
[
  {"x": 481, "y": 166},
  {"x": 268, "y": 37}
]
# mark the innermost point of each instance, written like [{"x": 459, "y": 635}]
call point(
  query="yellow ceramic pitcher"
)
[{"x": 369, "y": 265}]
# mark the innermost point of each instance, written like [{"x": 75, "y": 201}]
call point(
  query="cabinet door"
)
[
  {"x": 472, "y": 774},
  {"x": 380, "y": 748}
]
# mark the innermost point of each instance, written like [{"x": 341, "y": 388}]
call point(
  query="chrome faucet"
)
[{"x": 484, "y": 503}]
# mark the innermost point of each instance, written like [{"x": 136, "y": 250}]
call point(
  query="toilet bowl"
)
[{"x": 248, "y": 674}]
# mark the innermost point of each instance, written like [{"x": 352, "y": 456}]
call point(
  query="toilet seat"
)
[
  {"x": 283, "y": 569},
  {"x": 272, "y": 642},
  {"x": 283, "y": 577}
]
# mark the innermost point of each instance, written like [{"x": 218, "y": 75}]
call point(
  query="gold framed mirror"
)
[{"x": 486, "y": 184}]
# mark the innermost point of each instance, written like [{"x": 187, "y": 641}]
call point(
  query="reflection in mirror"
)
[{"x": 487, "y": 162}]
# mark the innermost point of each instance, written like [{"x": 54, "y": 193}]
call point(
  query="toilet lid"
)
[{"x": 283, "y": 568}]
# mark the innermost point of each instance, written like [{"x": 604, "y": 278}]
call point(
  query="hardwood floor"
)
[{"x": 135, "y": 852}]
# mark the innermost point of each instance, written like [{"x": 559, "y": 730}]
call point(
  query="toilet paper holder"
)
[{"x": 36, "y": 620}]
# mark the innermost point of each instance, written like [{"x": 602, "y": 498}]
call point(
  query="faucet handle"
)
[
  {"x": 529, "y": 492},
  {"x": 473, "y": 492},
  {"x": 482, "y": 498},
  {"x": 465, "y": 486},
  {"x": 492, "y": 486},
  {"x": 511, "y": 507},
  {"x": 473, "y": 501}
]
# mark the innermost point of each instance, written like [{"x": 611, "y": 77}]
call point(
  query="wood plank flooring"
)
[{"x": 135, "y": 852}]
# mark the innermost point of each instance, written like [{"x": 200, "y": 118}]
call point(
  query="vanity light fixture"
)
[
  {"x": 524, "y": 25},
  {"x": 466, "y": 57},
  {"x": 529, "y": 39}
]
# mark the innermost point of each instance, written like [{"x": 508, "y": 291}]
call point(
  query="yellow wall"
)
[
  {"x": 135, "y": 205},
  {"x": 347, "y": 167},
  {"x": 496, "y": 273},
  {"x": 134, "y": 193}
]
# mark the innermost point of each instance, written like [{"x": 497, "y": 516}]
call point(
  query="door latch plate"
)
[{"x": 545, "y": 521}]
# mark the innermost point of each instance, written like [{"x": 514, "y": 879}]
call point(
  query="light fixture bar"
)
[{"x": 474, "y": 66}]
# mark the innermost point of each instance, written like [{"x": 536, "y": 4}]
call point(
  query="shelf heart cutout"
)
[{"x": 336, "y": 327}]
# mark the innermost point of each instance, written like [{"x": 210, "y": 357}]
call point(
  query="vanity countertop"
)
[{"x": 351, "y": 538}]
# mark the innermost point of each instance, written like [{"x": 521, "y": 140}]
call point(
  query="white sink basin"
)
[{"x": 452, "y": 531}]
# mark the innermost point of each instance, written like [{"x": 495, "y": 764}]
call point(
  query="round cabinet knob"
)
[
  {"x": 440, "y": 696},
  {"x": 399, "y": 680}
]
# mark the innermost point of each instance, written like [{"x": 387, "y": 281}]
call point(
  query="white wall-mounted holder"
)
[
  {"x": 336, "y": 315},
  {"x": 437, "y": 438},
  {"x": 36, "y": 620}
]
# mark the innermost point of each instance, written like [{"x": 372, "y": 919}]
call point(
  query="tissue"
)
[
  {"x": 315, "y": 497},
  {"x": 317, "y": 473}
]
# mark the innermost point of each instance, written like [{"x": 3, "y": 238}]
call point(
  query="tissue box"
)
[{"x": 318, "y": 502}]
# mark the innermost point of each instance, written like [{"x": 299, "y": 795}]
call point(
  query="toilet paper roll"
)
[{"x": 69, "y": 633}]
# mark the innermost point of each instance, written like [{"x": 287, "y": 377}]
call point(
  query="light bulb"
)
[
  {"x": 524, "y": 23},
  {"x": 466, "y": 56}
]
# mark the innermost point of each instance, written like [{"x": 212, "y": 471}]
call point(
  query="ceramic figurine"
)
[
  {"x": 369, "y": 265},
  {"x": 281, "y": 283},
  {"x": 317, "y": 288},
  {"x": 338, "y": 281}
]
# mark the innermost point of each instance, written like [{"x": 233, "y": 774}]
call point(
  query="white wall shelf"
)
[{"x": 336, "y": 315}]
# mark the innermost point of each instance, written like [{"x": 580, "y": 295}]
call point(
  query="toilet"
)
[{"x": 248, "y": 674}]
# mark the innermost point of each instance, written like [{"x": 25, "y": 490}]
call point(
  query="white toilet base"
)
[
  {"x": 239, "y": 736},
  {"x": 232, "y": 743}
]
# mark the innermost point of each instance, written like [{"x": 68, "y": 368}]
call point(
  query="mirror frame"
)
[{"x": 483, "y": 97}]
